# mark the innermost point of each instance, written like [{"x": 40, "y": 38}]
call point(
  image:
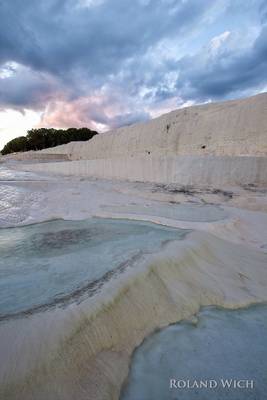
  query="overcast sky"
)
[{"x": 107, "y": 63}]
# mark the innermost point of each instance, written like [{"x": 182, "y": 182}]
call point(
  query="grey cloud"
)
[
  {"x": 84, "y": 48},
  {"x": 228, "y": 73},
  {"x": 24, "y": 88},
  {"x": 58, "y": 36},
  {"x": 67, "y": 50},
  {"x": 127, "y": 119},
  {"x": 117, "y": 121}
]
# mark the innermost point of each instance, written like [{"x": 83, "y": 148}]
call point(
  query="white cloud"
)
[
  {"x": 15, "y": 123},
  {"x": 217, "y": 41},
  {"x": 8, "y": 69},
  {"x": 89, "y": 3}
]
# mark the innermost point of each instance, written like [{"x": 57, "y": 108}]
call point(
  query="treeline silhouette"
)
[{"x": 38, "y": 139}]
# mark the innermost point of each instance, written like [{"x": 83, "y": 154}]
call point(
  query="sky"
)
[{"x": 108, "y": 63}]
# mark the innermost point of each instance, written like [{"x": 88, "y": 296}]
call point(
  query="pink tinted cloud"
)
[
  {"x": 65, "y": 114},
  {"x": 101, "y": 111},
  {"x": 96, "y": 112}
]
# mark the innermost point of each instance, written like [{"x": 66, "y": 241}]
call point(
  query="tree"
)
[
  {"x": 43, "y": 138},
  {"x": 15, "y": 145}
]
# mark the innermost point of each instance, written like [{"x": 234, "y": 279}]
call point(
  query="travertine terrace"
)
[
  {"x": 218, "y": 143},
  {"x": 203, "y": 169},
  {"x": 230, "y": 128}
]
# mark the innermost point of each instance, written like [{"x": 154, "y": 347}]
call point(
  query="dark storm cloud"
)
[
  {"x": 24, "y": 88},
  {"x": 85, "y": 56},
  {"x": 84, "y": 47},
  {"x": 59, "y": 36}
]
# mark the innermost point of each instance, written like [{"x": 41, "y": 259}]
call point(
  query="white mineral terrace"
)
[
  {"x": 191, "y": 233},
  {"x": 220, "y": 144}
]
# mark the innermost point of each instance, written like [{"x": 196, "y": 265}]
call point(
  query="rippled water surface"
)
[
  {"x": 223, "y": 345},
  {"x": 52, "y": 262}
]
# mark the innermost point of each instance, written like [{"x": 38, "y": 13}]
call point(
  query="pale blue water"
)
[
  {"x": 49, "y": 263},
  {"x": 224, "y": 345},
  {"x": 181, "y": 212}
]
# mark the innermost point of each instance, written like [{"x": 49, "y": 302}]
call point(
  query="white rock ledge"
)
[{"x": 184, "y": 170}]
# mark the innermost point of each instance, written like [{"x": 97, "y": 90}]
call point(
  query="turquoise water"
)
[
  {"x": 52, "y": 262},
  {"x": 223, "y": 345}
]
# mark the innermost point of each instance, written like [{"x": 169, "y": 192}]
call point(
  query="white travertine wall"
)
[
  {"x": 184, "y": 170},
  {"x": 230, "y": 128},
  {"x": 212, "y": 144}
]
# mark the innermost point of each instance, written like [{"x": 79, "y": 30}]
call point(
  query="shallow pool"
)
[
  {"x": 54, "y": 262},
  {"x": 180, "y": 212},
  {"x": 223, "y": 345}
]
